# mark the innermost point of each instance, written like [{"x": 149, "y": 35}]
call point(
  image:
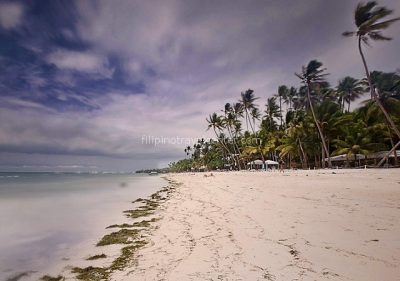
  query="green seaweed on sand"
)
[
  {"x": 126, "y": 235},
  {"x": 123, "y": 236},
  {"x": 96, "y": 257},
  {"x": 137, "y": 213},
  {"x": 127, "y": 255},
  {"x": 51, "y": 278},
  {"x": 143, "y": 223},
  {"x": 138, "y": 200},
  {"x": 91, "y": 273}
]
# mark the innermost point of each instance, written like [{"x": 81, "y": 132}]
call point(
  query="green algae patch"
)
[
  {"x": 143, "y": 223},
  {"x": 127, "y": 255},
  {"x": 91, "y": 273},
  {"x": 96, "y": 257},
  {"x": 51, "y": 278},
  {"x": 137, "y": 213},
  {"x": 123, "y": 236},
  {"x": 138, "y": 200},
  {"x": 130, "y": 235}
]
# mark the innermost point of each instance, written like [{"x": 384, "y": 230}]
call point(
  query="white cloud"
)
[
  {"x": 11, "y": 15},
  {"x": 80, "y": 61},
  {"x": 115, "y": 130}
]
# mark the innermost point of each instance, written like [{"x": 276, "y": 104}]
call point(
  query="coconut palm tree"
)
[
  {"x": 272, "y": 111},
  {"x": 291, "y": 94},
  {"x": 369, "y": 20},
  {"x": 282, "y": 95},
  {"x": 348, "y": 90},
  {"x": 230, "y": 122},
  {"x": 216, "y": 123},
  {"x": 255, "y": 115},
  {"x": 356, "y": 140},
  {"x": 311, "y": 75},
  {"x": 247, "y": 101}
]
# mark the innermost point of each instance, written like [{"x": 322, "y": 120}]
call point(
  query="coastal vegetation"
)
[{"x": 305, "y": 125}]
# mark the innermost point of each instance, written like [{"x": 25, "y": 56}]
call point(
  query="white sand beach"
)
[{"x": 299, "y": 225}]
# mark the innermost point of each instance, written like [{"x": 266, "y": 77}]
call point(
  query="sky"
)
[{"x": 124, "y": 85}]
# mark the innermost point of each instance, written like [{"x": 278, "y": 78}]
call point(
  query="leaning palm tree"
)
[
  {"x": 368, "y": 18},
  {"x": 311, "y": 75}
]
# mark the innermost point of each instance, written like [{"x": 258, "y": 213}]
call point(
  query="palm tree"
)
[
  {"x": 255, "y": 115},
  {"x": 215, "y": 121},
  {"x": 369, "y": 21},
  {"x": 349, "y": 89},
  {"x": 230, "y": 123},
  {"x": 247, "y": 100},
  {"x": 282, "y": 94},
  {"x": 356, "y": 140},
  {"x": 291, "y": 94},
  {"x": 271, "y": 111},
  {"x": 310, "y": 75}
]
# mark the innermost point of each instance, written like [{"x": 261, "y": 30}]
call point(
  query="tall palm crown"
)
[
  {"x": 349, "y": 89},
  {"x": 312, "y": 75},
  {"x": 271, "y": 111},
  {"x": 291, "y": 94},
  {"x": 282, "y": 94},
  {"x": 214, "y": 121},
  {"x": 368, "y": 19},
  {"x": 247, "y": 100}
]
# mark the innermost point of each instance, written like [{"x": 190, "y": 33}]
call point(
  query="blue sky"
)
[{"x": 82, "y": 82}]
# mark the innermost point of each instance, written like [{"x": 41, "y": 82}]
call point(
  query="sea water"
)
[{"x": 45, "y": 217}]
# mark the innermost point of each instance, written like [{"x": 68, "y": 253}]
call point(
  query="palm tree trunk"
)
[
  {"x": 280, "y": 108},
  {"x": 236, "y": 154},
  {"x": 374, "y": 97},
  {"x": 388, "y": 154},
  {"x": 259, "y": 145},
  {"x": 222, "y": 142},
  {"x": 304, "y": 155},
  {"x": 318, "y": 126}
]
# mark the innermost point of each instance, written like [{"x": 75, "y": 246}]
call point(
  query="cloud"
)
[
  {"x": 116, "y": 130},
  {"x": 158, "y": 68},
  {"x": 80, "y": 61},
  {"x": 11, "y": 15}
]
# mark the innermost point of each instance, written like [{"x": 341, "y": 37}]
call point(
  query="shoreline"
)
[
  {"x": 311, "y": 225},
  {"x": 105, "y": 251}
]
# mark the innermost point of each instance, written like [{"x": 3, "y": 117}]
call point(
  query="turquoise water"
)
[{"x": 46, "y": 217}]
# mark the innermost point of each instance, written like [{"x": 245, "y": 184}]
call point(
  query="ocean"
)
[{"x": 47, "y": 219}]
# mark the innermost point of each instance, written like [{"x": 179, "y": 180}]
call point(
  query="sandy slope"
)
[{"x": 303, "y": 225}]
